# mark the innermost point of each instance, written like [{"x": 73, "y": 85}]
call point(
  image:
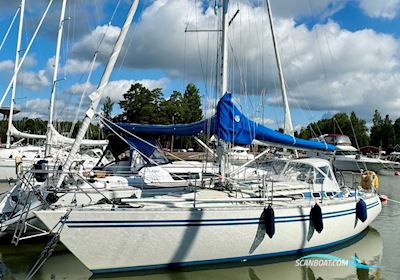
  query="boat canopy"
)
[
  {"x": 146, "y": 148},
  {"x": 118, "y": 146},
  {"x": 230, "y": 125}
]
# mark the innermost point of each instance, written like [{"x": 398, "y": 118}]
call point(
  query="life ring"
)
[{"x": 369, "y": 179}]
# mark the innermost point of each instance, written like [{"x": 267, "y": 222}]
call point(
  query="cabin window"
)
[
  {"x": 298, "y": 171},
  {"x": 316, "y": 194},
  {"x": 274, "y": 167}
]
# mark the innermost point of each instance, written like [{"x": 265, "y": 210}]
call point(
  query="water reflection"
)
[{"x": 368, "y": 247}]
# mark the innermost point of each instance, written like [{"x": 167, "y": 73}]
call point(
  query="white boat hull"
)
[
  {"x": 137, "y": 239},
  {"x": 356, "y": 166},
  {"x": 8, "y": 169}
]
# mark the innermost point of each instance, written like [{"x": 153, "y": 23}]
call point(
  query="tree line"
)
[
  {"x": 384, "y": 132},
  {"x": 142, "y": 105}
]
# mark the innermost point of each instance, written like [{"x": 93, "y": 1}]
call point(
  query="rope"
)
[{"x": 392, "y": 200}]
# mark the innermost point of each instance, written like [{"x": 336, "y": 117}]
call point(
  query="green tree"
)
[
  {"x": 141, "y": 105},
  {"x": 387, "y": 133},
  {"x": 396, "y": 127},
  {"x": 171, "y": 109},
  {"x": 191, "y": 104},
  {"x": 108, "y": 105},
  {"x": 340, "y": 123},
  {"x": 376, "y": 129},
  {"x": 360, "y": 134}
]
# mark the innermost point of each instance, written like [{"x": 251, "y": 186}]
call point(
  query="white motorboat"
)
[
  {"x": 348, "y": 158},
  {"x": 239, "y": 155}
]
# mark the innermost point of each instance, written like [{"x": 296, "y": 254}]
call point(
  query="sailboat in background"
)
[
  {"x": 301, "y": 209},
  {"x": 17, "y": 157}
]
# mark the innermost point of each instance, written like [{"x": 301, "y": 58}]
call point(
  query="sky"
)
[{"x": 337, "y": 55}]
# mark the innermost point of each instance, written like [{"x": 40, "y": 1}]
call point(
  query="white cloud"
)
[
  {"x": 380, "y": 8},
  {"x": 33, "y": 80},
  {"x": 35, "y": 108},
  {"x": 39, "y": 108},
  {"x": 327, "y": 67},
  {"x": 350, "y": 75},
  {"x": 30, "y": 61},
  {"x": 293, "y": 9},
  {"x": 86, "y": 47},
  {"x": 115, "y": 89},
  {"x": 264, "y": 121},
  {"x": 81, "y": 88},
  {"x": 72, "y": 66},
  {"x": 6, "y": 66}
]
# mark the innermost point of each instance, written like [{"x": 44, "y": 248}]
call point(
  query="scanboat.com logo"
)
[{"x": 329, "y": 260}]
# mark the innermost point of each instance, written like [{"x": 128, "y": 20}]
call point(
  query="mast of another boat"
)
[
  {"x": 18, "y": 66},
  {"x": 55, "y": 77},
  {"x": 14, "y": 86},
  {"x": 288, "y": 125},
  {"x": 96, "y": 95}
]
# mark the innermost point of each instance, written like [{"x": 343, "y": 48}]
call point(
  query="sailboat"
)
[
  {"x": 17, "y": 157},
  {"x": 300, "y": 210}
]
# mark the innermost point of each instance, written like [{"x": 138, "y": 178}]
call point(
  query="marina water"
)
[{"x": 379, "y": 245}]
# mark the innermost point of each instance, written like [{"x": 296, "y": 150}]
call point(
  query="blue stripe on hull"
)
[
  {"x": 225, "y": 260},
  {"x": 205, "y": 222}
]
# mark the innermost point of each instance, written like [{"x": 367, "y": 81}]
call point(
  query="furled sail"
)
[
  {"x": 15, "y": 132},
  {"x": 230, "y": 125},
  {"x": 56, "y": 139}
]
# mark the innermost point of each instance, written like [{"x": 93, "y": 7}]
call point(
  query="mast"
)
[
  {"x": 288, "y": 125},
  {"x": 55, "y": 77},
  {"x": 224, "y": 48},
  {"x": 14, "y": 78},
  {"x": 221, "y": 149},
  {"x": 16, "y": 68},
  {"x": 96, "y": 96}
]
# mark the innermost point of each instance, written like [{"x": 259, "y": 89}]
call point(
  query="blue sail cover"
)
[
  {"x": 230, "y": 125},
  {"x": 190, "y": 129},
  {"x": 234, "y": 126}
]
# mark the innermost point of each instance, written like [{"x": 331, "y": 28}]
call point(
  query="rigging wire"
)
[
  {"x": 325, "y": 74},
  {"x": 83, "y": 95},
  {"x": 275, "y": 95},
  {"x": 9, "y": 28},
  {"x": 92, "y": 64}
]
